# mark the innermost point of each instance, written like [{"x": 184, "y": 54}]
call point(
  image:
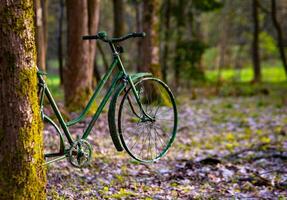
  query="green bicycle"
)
[{"x": 142, "y": 113}]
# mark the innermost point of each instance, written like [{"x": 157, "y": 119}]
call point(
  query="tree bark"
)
[
  {"x": 280, "y": 39},
  {"x": 255, "y": 43},
  {"x": 44, "y": 5},
  {"x": 22, "y": 175},
  {"x": 118, "y": 18},
  {"x": 59, "y": 38},
  {"x": 40, "y": 34},
  {"x": 166, "y": 39},
  {"x": 93, "y": 23},
  {"x": 78, "y": 71},
  {"x": 139, "y": 9},
  {"x": 150, "y": 45},
  {"x": 180, "y": 23},
  {"x": 222, "y": 46}
]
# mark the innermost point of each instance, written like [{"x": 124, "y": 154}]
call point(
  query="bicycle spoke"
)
[
  {"x": 162, "y": 140},
  {"x": 142, "y": 138},
  {"x": 138, "y": 136},
  {"x": 144, "y": 143},
  {"x": 150, "y": 143}
]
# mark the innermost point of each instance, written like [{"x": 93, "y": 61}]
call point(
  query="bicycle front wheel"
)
[{"x": 148, "y": 135}]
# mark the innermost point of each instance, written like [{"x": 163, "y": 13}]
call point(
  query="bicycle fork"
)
[{"x": 135, "y": 92}]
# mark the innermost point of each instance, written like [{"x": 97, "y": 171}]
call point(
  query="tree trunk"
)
[
  {"x": 222, "y": 47},
  {"x": 93, "y": 23},
  {"x": 255, "y": 43},
  {"x": 59, "y": 38},
  {"x": 78, "y": 71},
  {"x": 166, "y": 39},
  {"x": 180, "y": 23},
  {"x": 139, "y": 8},
  {"x": 118, "y": 18},
  {"x": 40, "y": 34},
  {"x": 280, "y": 39},
  {"x": 44, "y": 5},
  {"x": 281, "y": 17},
  {"x": 150, "y": 46},
  {"x": 22, "y": 175}
]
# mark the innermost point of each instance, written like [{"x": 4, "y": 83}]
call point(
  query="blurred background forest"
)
[{"x": 201, "y": 43}]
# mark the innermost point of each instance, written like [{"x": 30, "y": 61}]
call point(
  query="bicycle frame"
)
[{"x": 44, "y": 91}]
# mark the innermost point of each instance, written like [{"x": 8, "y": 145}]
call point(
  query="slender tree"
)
[
  {"x": 280, "y": 40},
  {"x": 180, "y": 25},
  {"x": 166, "y": 21},
  {"x": 45, "y": 5},
  {"x": 255, "y": 42},
  {"x": 139, "y": 8},
  {"x": 118, "y": 17},
  {"x": 22, "y": 175},
  {"x": 41, "y": 40},
  {"x": 223, "y": 41},
  {"x": 78, "y": 70},
  {"x": 93, "y": 23},
  {"x": 150, "y": 46},
  {"x": 60, "y": 39}
]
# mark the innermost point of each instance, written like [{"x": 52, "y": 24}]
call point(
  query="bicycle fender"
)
[{"x": 112, "y": 110}]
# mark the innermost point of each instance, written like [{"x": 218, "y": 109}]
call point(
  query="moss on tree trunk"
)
[{"x": 22, "y": 175}]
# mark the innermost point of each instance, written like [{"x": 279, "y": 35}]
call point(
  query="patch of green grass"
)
[
  {"x": 247, "y": 89},
  {"x": 54, "y": 194},
  {"x": 270, "y": 73},
  {"x": 53, "y": 82},
  {"x": 123, "y": 194}
]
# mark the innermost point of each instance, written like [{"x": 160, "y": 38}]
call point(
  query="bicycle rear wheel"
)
[{"x": 147, "y": 138}]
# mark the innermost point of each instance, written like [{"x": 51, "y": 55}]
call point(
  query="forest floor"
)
[{"x": 226, "y": 148}]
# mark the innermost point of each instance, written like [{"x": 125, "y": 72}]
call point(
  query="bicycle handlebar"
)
[
  {"x": 90, "y": 37},
  {"x": 103, "y": 36}
]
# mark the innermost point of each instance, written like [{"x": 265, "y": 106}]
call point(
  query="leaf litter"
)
[{"x": 226, "y": 148}]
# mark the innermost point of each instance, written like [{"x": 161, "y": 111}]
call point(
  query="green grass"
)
[
  {"x": 275, "y": 89},
  {"x": 269, "y": 74},
  {"x": 273, "y": 79},
  {"x": 53, "y": 82}
]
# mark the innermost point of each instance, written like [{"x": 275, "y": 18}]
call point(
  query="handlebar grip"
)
[
  {"x": 90, "y": 37},
  {"x": 141, "y": 34},
  {"x": 102, "y": 34}
]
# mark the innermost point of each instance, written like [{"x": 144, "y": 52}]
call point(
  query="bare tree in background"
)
[
  {"x": 150, "y": 46},
  {"x": 255, "y": 42},
  {"x": 93, "y": 23},
  {"x": 118, "y": 17},
  {"x": 139, "y": 8},
  {"x": 78, "y": 70},
  {"x": 280, "y": 39},
  {"x": 60, "y": 39},
  {"x": 180, "y": 26},
  {"x": 166, "y": 21},
  {"x": 40, "y": 7},
  {"x": 83, "y": 19}
]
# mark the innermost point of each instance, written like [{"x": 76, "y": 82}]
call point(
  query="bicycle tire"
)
[{"x": 157, "y": 103}]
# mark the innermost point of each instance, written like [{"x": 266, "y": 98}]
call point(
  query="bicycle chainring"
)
[{"x": 80, "y": 153}]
